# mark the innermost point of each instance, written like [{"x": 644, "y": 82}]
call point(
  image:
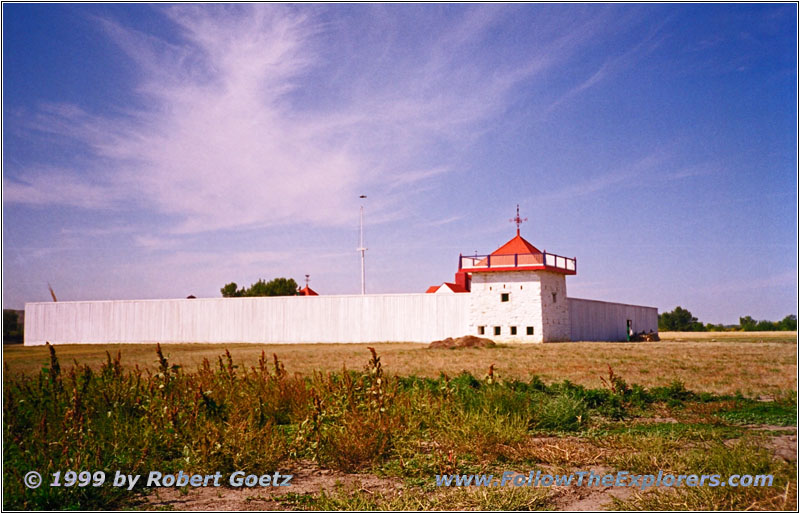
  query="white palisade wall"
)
[
  {"x": 593, "y": 320},
  {"x": 346, "y": 319},
  {"x": 294, "y": 319}
]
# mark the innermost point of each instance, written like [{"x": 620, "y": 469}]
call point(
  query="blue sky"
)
[{"x": 157, "y": 151}]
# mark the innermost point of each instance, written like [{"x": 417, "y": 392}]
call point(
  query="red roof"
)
[
  {"x": 456, "y": 288},
  {"x": 453, "y": 287},
  {"x": 517, "y": 245},
  {"x": 307, "y": 291}
]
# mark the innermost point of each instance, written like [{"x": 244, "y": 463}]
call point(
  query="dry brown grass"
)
[
  {"x": 755, "y": 363},
  {"x": 746, "y": 337}
]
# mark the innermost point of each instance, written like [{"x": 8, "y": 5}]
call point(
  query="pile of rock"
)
[{"x": 463, "y": 342}]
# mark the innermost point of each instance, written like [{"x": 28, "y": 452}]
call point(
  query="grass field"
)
[
  {"x": 366, "y": 431},
  {"x": 718, "y": 362}
]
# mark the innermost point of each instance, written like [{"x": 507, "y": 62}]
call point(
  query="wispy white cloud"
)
[
  {"x": 652, "y": 168},
  {"x": 228, "y": 261},
  {"x": 224, "y": 143},
  {"x": 98, "y": 231},
  {"x": 444, "y": 221},
  {"x": 695, "y": 170},
  {"x": 414, "y": 176},
  {"x": 49, "y": 186},
  {"x": 634, "y": 172},
  {"x": 615, "y": 65},
  {"x": 153, "y": 242},
  {"x": 251, "y": 117}
]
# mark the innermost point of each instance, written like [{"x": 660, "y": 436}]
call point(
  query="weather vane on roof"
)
[
  {"x": 307, "y": 277},
  {"x": 518, "y": 220}
]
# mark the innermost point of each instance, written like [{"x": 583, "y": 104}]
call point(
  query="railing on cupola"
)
[{"x": 542, "y": 260}]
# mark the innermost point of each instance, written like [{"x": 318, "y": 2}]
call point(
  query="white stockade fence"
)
[
  {"x": 290, "y": 319},
  {"x": 593, "y": 320}
]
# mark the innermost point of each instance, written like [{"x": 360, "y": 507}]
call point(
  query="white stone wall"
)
[
  {"x": 523, "y": 308},
  {"x": 530, "y": 304},
  {"x": 555, "y": 307}
]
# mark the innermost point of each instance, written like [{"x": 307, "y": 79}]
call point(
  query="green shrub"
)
[
  {"x": 674, "y": 394},
  {"x": 561, "y": 412}
]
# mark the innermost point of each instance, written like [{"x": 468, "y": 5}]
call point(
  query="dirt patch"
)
[
  {"x": 463, "y": 342},
  {"x": 784, "y": 447},
  {"x": 656, "y": 420},
  {"x": 581, "y": 499},
  {"x": 576, "y": 498},
  {"x": 771, "y": 428},
  {"x": 307, "y": 479}
]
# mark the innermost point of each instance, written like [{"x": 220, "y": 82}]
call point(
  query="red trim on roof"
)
[
  {"x": 433, "y": 289},
  {"x": 307, "y": 291},
  {"x": 523, "y": 268}
]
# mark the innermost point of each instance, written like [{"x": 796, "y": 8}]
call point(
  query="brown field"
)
[
  {"x": 751, "y": 337},
  {"x": 756, "y": 363},
  {"x": 370, "y": 443}
]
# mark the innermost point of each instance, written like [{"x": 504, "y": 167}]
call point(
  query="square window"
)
[
  {"x": 497, "y": 331},
  {"x": 481, "y": 330},
  {"x": 530, "y": 331},
  {"x": 513, "y": 331},
  {"x": 504, "y": 297}
]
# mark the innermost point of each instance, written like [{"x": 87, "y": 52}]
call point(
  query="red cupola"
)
[{"x": 517, "y": 255}]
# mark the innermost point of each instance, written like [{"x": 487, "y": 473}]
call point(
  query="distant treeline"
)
[
  {"x": 13, "y": 325},
  {"x": 681, "y": 320}
]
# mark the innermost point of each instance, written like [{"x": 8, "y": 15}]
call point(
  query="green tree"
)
[
  {"x": 679, "y": 320},
  {"x": 747, "y": 323},
  {"x": 12, "y": 328},
  {"x": 275, "y": 287},
  {"x": 282, "y": 287},
  {"x": 230, "y": 290},
  {"x": 765, "y": 326},
  {"x": 788, "y": 323}
]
